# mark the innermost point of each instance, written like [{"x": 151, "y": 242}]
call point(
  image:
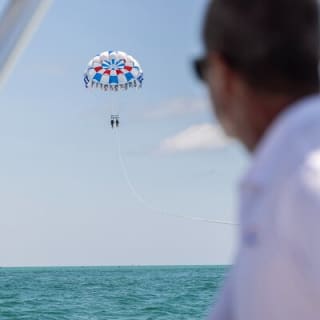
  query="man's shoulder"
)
[
  {"x": 302, "y": 184},
  {"x": 288, "y": 143},
  {"x": 303, "y": 181},
  {"x": 296, "y": 203}
]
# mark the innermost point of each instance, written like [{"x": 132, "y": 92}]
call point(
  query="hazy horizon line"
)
[{"x": 116, "y": 266}]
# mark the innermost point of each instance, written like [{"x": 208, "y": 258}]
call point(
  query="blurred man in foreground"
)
[{"x": 261, "y": 67}]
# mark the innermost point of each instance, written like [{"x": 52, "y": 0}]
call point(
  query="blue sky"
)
[{"x": 65, "y": 200}]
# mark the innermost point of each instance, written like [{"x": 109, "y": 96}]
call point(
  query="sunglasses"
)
[
  {"x": 199, "y": 68},
  {"x": 200, "y": 65}
]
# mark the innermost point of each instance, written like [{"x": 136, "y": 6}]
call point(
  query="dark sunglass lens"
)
[{"x": 199, "y": 67}]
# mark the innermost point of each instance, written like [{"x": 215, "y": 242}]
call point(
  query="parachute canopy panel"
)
[{"x": 113, "y": 70}]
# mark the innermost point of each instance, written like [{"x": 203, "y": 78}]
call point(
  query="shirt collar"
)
[{"x": 274, "y": 141}]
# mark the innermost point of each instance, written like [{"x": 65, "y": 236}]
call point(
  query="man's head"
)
[{"x": 261, "y": 55}]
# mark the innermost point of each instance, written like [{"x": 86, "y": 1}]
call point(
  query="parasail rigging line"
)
[{"x": 150, "y": 207}]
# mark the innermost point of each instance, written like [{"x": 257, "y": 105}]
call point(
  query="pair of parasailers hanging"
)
[{"x": 114, "y": 122}]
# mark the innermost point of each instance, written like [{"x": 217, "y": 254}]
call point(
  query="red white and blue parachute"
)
[{"x": 113, "y": 70}]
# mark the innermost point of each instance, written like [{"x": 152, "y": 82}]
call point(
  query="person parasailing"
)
[{"x": 113, "y": 71}]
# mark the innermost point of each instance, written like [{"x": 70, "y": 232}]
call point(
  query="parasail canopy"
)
[{"x": 113, "y": 70}]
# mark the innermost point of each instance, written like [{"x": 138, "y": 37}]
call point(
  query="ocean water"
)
[{"x": 94, "y": 293}]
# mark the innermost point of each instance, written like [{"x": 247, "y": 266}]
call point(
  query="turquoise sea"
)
[{"x": 94, "y": 293}]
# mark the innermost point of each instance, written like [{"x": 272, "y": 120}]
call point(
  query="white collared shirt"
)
[{"x": 276, "y": 275}]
